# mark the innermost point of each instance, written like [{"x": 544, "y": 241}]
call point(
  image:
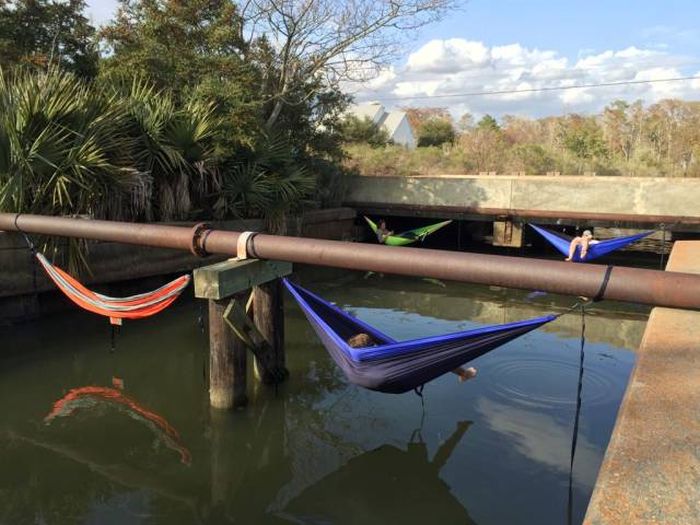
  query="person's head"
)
[
  {"x": 360, "y": 340},
  {"x": 587, "y": 234},
  {"x": 382, "y": 223}
]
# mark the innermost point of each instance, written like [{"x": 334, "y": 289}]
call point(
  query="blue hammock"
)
[
  {"x": 562, "y": 242},
  {"x": 396, "y": 367}
]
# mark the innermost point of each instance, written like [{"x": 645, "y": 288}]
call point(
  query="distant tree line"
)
[{"x": 661, "y": 139}]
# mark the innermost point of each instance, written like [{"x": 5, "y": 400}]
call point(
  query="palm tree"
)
[
  {"x": 174, "y": 145},
  {"x": 62, "y": 147},
  {"x": 268, "y": 182},
  {"x": 105, "y": 150}
]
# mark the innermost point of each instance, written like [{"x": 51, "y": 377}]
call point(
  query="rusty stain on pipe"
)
[{"x": 652, "y": 287}]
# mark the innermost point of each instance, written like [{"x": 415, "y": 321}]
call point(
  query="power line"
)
[{"x": 542, "y": 89}]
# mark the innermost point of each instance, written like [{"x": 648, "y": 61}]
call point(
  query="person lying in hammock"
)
[
  {"x": 383, "y": 232},
  {"x": 584, "y": 241},
  {"x": 363, "y": 340}
]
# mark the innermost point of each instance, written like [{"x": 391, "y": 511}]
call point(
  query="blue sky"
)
[
  {"x": 493, "y": 45},
  {"x": 572, "y": 26}
]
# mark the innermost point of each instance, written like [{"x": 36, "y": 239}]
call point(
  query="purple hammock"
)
[
  {"x": 396, "y": 367},
  {"x": 562, "y": 242}
]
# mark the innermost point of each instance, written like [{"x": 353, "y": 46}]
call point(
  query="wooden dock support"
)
[
  {"x": 232, "y": 333},
  {"x": 507, "y": 233},
  {"x": 227, "y": 361},
  {"x": 268, "y": 315}
]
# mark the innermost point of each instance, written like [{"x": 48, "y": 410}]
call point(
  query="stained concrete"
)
[
  {"x": 623, "y": 195},
  {"x": 651, "y": 470}
]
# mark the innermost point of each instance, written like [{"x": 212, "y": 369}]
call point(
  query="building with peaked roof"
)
[{"x": 395, "y": 123}]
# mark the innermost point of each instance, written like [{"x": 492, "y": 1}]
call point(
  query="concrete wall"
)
[
  {"x": 651, "y": 470},
  {"x": 628, "y": 195}
]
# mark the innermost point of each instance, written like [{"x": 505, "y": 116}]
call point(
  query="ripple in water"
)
[{"x": 551, "y": 382}]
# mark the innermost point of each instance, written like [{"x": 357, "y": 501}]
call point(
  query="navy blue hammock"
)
[
  {"x": 596, "y": 249},
  {"x": 396, "y": 367}
]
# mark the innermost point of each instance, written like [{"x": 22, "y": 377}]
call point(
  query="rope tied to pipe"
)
[
  {"x": 599, "y": 296},
  {"x": 663, "y": 246},
  {"x": 577, "y": 416},
  {"x": 603, "y": 285},
  {"x": 32, "y": 250}
]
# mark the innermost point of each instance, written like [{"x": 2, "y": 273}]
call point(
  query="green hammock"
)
[{"x": 410, "y": 236}]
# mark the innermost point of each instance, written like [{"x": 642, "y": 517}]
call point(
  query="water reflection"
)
[
  {"x": 385, "y": 485},
  {"x": 317, "y": 449},
  {"x": 70, "y": 502},
  {"x": 97, "y": 397}
]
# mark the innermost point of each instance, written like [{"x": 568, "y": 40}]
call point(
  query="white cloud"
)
[
  {"x": 384, "y": 78},
  {"x": 541, "y": 438},
  {"x": 448, "y": 56},
  {"x": 695, "y": 84},
  {"x": 101, "y": 11},
  {"x": 454, "y": 66}
]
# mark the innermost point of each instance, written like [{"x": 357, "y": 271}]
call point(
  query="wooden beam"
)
[
  {"x": 224, "y": 279},
  {"x": 269, "y": 360}
]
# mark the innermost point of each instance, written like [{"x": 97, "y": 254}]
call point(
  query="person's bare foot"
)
[
  {"x": 466, "y": 374},
  {"x": 568, "y": 259}
]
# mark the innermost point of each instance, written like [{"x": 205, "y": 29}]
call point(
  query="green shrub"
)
[
  {"x": 436, "y": 132},
  {"x": 363, "y": 131}
]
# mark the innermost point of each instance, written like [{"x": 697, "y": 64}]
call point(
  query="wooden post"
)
[
  {"x": 226, "y": 285},
  {"x": 507, "y": 233},
  {"x": 268, "y": 315},
  {"x": 227, "y": 360}
]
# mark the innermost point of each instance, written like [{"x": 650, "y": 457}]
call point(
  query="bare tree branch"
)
[{"x": 334, "y": 40}]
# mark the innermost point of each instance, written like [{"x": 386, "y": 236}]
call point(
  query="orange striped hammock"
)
[{"x": 116, "y": 308}]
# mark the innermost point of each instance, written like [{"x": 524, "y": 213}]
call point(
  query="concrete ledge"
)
[
  {"x": 651, "y": 470},
  {"x": 670, "y": 200}
]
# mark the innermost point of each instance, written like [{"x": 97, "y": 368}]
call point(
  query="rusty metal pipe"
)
[
  {"x": 160, "y": 236},
  {"x": 652, "y": 287}
]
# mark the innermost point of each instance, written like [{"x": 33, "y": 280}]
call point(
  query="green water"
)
[{"x": 493, "y": 450}]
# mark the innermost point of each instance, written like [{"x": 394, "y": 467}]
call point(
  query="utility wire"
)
[{"x": 542, "y": 89}]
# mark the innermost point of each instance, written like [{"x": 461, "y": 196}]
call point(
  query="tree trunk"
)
[{"x": 274, "y": 115}]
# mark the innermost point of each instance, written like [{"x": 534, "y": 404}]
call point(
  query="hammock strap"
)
[
  {"x": 242, "y": 250},
  {"x": 603, "y": 285},
  {"x": 114, "y": 331},
  {"x": 577, "y": 416},
  {"x": 32, "y": 251},
  {"x": 419, "y": 392}
]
